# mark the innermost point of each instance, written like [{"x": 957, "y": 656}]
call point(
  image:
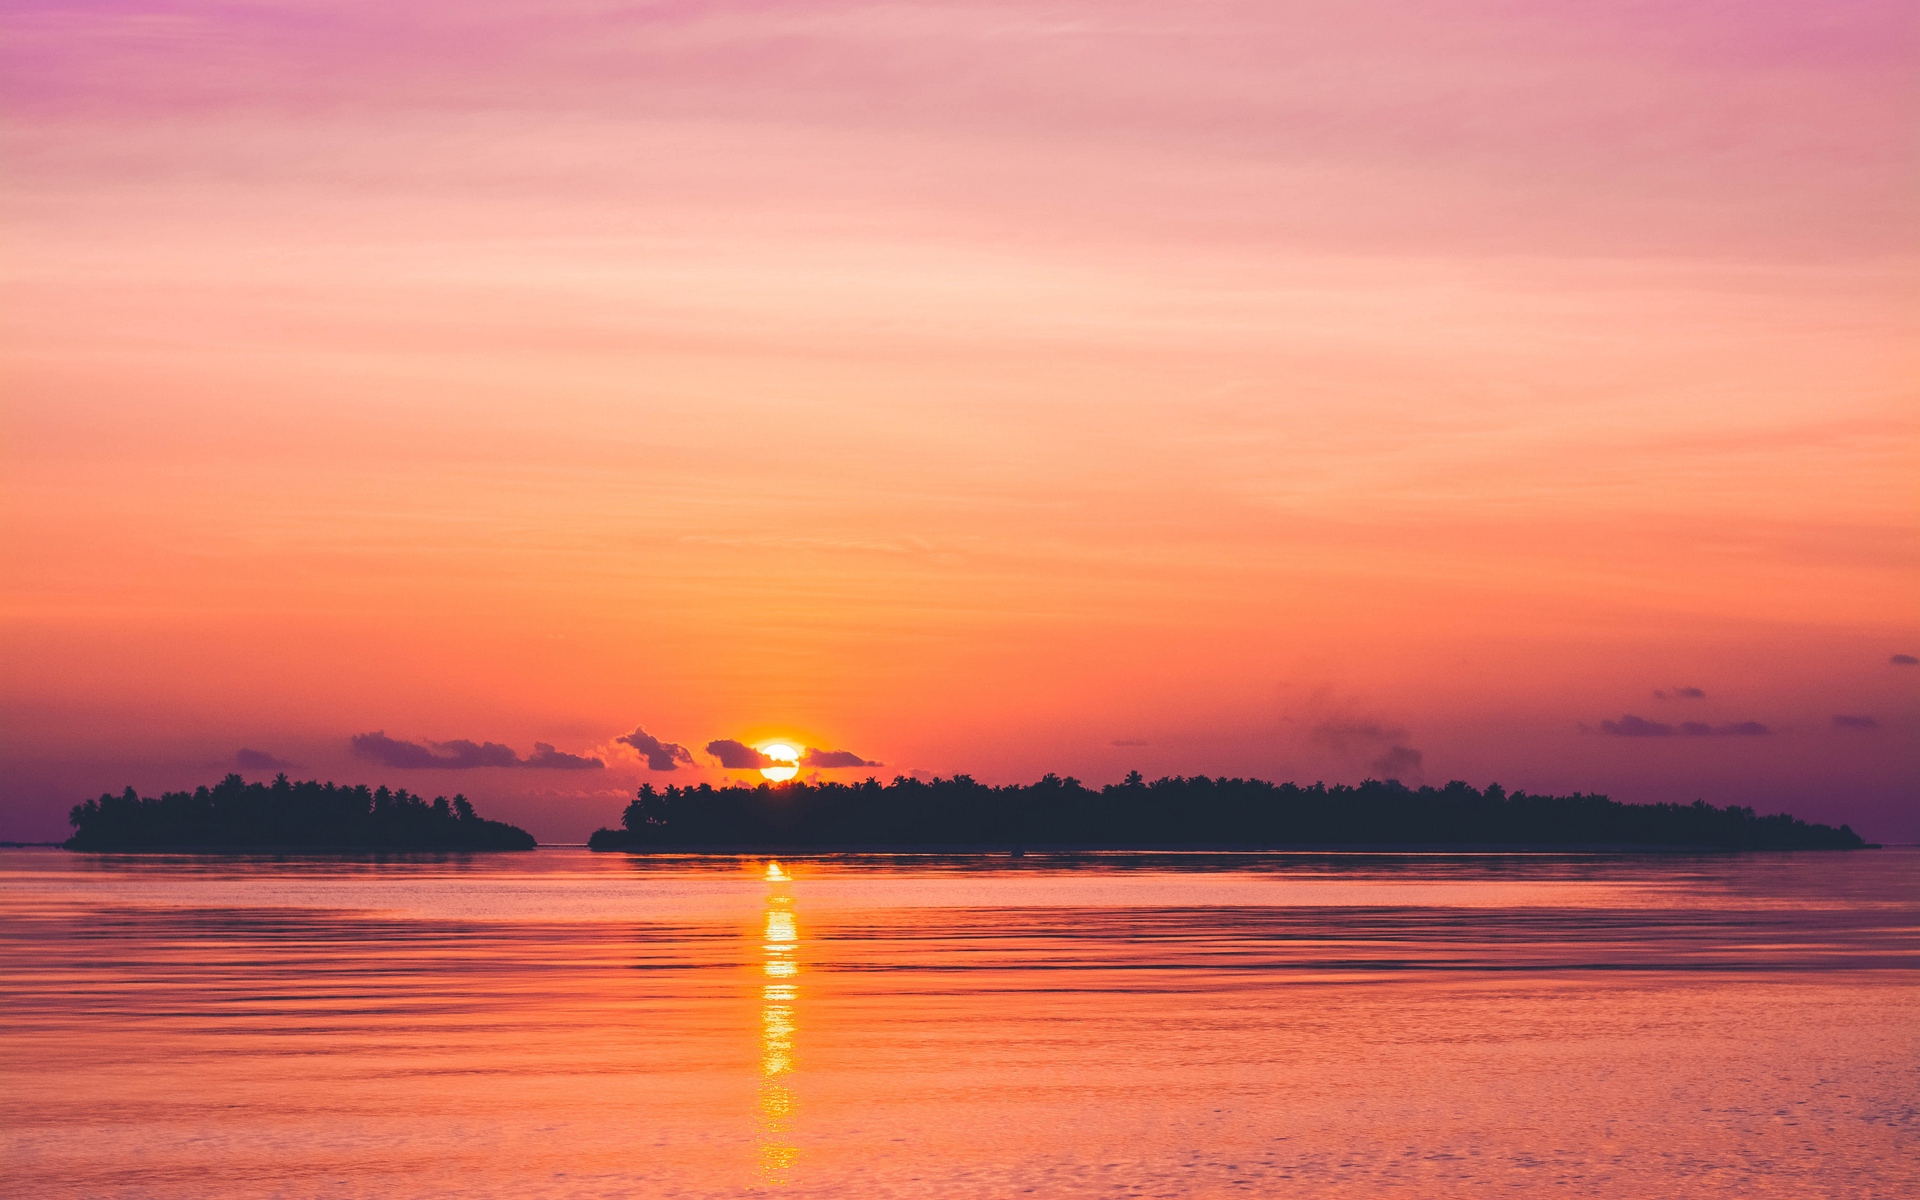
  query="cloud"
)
[
  {"x": 1904, "y": 660},
  {"x": 259, "y": 760},
  {"x": 1129, "y": 741},
  {"x": 1631, "y": 726},
  {"x": 413, "y": 755},
  {"x": 547, "y": 757},
  {"x": 737, "y": 756},
  {"x": 461, "y": 754},
  {"x": 1344, "y": 735},
  {"x": 1398, "y": 761},
  {"x": 1681, "y": 693},
  {"x": 1380, "y": 746},
  {"x": 833, "y": 758},
  {"x": 660, "y": 756},
  {"x": 1846, "y": 722}
]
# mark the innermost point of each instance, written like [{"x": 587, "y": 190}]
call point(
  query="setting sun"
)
[{"x": 786, "y": 761}]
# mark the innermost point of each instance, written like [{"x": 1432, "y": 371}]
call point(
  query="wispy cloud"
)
[
  {"x": 460, "y": 754},
  {"x": 1631, "y": 726},
  {"x": 1382, "y": 747},
  {"x": 1904, "y": 660},
  {"x": 660, "y": 756},
  {"x": 259, "y": 760},
  {"x": 1843, "y": 721},
  {"x": 1679, "y": 693},
  {"x": 1397, "y": 761}
]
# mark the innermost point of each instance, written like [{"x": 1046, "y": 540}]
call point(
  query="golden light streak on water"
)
[{"x": 780, "y": 944}]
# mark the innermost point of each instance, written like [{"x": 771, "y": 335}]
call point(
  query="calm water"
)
[{"x": 569, "y": 1024}]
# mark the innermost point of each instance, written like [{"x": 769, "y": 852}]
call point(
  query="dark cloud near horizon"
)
[
  {"x": 461, "y": 754},
  {"x": 1397, "y": 761},
  {"x": 1382, "y": 747},
  {"x": 737, "y": 756},
  {"x": 1904, "y": 660},
  {"x": 660, "y": 756},
  {"x": 1344, "y": 734},
  {"x": 545, "y": 757},
  {"x": 1684, "y": 693},
  {"x": 1631, "y": 726},
  {"x": 829, "y": 759},
  {"x": 1842, "y": 721},
  {"x": 457, "y": 755},
  {"x": 259, "y": 760},
  {"x": 1735, "y": 729}
]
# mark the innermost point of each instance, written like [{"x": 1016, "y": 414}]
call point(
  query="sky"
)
[{"x": 1516, "y": 392}]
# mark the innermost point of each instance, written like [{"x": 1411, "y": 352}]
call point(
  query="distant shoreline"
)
[
  {"x": 960, "y": 851},
  {"x": 1002, "y": 850},
  {"x": 288, "y": 851},
  {"x": 237, "y": 817},
  {"x": 957, "y": 815},
  {"x": 1187, "y": 812}
]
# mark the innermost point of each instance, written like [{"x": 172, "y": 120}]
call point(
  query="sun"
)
[{"x": 786, "y": 761}]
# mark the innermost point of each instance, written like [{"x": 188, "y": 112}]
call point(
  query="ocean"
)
[{"x": 564, "y": 1023}]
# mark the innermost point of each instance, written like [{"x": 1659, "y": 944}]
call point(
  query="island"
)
[
  {"x": 1181, "y": 811},
  {"x": 234, "y": 815}
]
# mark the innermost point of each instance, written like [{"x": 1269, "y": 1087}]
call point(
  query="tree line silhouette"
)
[
  {"x": 1180, "y": 811},
  {"x": 236, "y": 815}
]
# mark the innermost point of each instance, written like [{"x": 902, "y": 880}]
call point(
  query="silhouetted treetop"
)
[
  {"x": 236, "y": 815},
  {"x": 1181, "y": 811}
]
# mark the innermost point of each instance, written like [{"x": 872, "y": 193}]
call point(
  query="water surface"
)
[{"x": 562, "y": 1023}]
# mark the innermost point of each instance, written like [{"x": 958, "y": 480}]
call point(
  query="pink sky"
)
[{"x": 970, "y": 387}]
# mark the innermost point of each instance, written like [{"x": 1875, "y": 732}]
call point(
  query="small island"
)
[
  {"x": 1182, "y": 811},
  {"x": 234, "y": 815}
]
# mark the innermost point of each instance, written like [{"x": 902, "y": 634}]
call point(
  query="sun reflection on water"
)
[{"x": 779, "y": 945}]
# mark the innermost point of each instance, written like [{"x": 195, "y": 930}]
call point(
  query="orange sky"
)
[{"x": 970, "y": 387}]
